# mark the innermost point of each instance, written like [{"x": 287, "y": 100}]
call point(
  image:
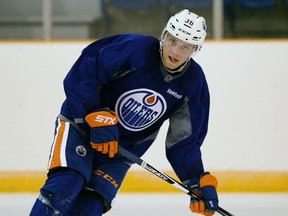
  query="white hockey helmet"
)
[{"x": 188, "y": 27}]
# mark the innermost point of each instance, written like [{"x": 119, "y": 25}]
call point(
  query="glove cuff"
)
[
  {"x": 102, "y": 118},
  {"x": 208, "y": 180}
]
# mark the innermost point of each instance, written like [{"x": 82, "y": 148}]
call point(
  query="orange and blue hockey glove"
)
[
  {"x": 206, "y": 188},
  {"x": 104, "y": 134}
]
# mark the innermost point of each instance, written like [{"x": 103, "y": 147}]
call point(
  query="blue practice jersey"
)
[{"x": 126, "y": 74}]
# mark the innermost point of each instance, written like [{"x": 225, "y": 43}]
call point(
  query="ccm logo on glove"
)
[{"x": 104, "y": 134}]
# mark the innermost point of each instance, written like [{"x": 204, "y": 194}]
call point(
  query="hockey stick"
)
[{"x": 133, "y": 158}]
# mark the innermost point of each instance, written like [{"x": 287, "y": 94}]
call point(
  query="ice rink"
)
[{"x": 174, "y": 204}]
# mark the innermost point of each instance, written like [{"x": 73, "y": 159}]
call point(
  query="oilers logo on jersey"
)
[
  {"x": 81, "y": 150},
  {"x": 139, "y": 108}
]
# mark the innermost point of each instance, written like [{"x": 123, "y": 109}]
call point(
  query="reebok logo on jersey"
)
[
  {"x": 175, "y": 94},
  {"x": 139, "y": 108}
]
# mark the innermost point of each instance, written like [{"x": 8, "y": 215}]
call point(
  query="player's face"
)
[{"x": 175, "y": 52}]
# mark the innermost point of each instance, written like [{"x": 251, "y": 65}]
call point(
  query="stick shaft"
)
[{"x": 133, "y": 158}]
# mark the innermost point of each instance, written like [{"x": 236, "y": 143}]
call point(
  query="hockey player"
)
[{"x": 119, "y": 92}]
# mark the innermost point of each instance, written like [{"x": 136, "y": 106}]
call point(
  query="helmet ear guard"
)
[{"x": 188, "y": 27}]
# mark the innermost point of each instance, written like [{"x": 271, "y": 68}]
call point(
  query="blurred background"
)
[{"x": 85, "y": 19}]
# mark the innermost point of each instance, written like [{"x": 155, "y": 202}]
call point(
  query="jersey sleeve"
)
[
  {"x": 96, "y": 66},
  {"x": 186, "y": 133}
]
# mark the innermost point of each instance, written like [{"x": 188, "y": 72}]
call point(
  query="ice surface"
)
[{"x": 174, "y": 204}]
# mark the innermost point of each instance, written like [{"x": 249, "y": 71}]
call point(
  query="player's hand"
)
[
  {"x": 207, "y": 189},
  {"x": 104, "y": 134}
]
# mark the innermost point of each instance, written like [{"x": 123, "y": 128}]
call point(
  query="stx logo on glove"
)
[
  {"x": 105, "y": 119},
  {"x": 102, "y": 118}
]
